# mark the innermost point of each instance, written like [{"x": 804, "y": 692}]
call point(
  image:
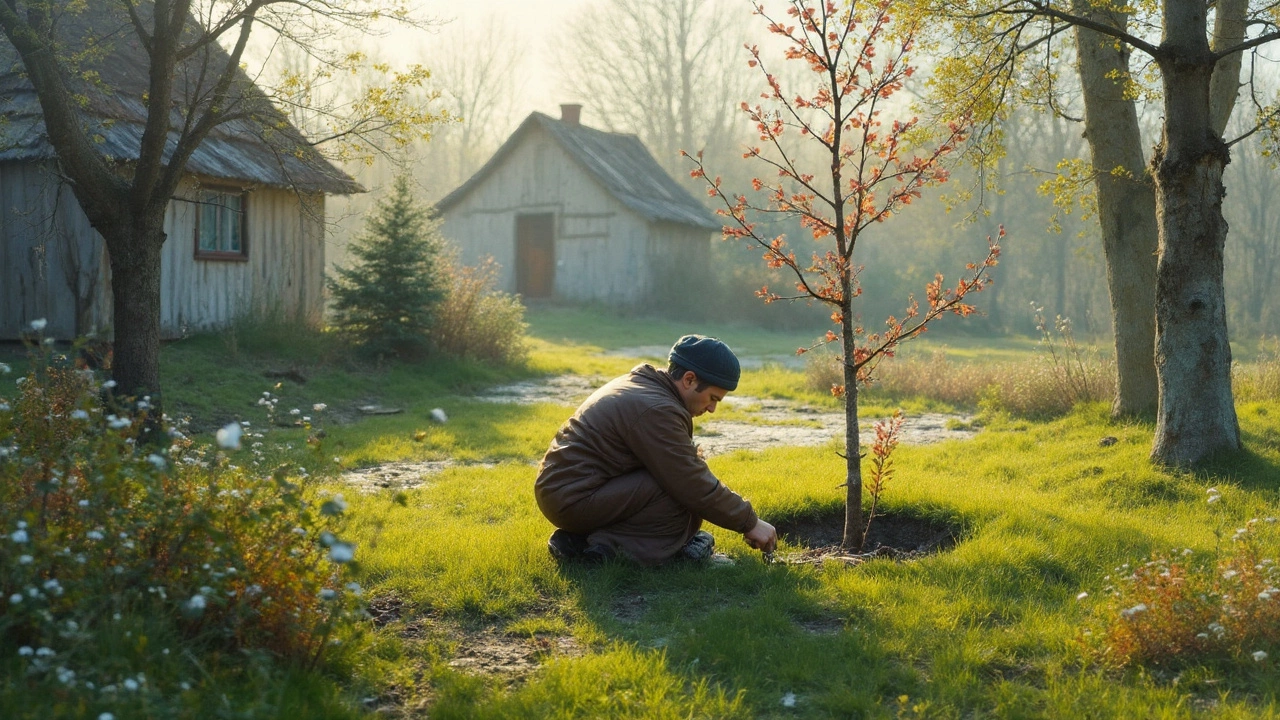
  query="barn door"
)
[{"x": 535, "y": 255}]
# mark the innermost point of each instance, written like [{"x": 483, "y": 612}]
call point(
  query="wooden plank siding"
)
[
  {"x": 603, "y": 249},
  {"x": 46, "y": 241}
]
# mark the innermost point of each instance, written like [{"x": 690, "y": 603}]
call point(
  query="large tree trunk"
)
[
  {"x": 135, "y": 290},
  {"x": 1197, "y": 412},
  {"x": 854, "y": 523},
  {"x": 1126, "y": 209}
]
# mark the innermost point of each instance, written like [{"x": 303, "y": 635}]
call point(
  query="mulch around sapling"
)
[{"x": 897, "y": 535}]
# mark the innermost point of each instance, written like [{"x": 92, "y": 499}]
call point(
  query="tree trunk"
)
[
  {"x": 854, "y": 523},
  {"x": 135, "y": 290},
  {"x": 1126, "y": 210},
  {"x": 1197, "y": 414}
]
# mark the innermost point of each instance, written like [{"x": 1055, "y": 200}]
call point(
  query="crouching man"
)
[{"x": 623, "y": 477}]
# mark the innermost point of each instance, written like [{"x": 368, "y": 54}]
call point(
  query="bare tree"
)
[
  {"x": 670, "y": 71},
  {"x": 479, "y": 73}
]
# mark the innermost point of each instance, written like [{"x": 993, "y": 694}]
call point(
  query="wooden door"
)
[{"x": 536, "y": 255}]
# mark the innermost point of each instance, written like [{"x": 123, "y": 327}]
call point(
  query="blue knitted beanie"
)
[{"x": 710, "y": 359}]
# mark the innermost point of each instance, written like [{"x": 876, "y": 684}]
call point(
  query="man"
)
[{"x": 622, "y": 476}]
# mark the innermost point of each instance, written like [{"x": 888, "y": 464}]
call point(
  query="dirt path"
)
[
  {"x": 770, "y": 422},
  {"x": 757, "y": 424}
]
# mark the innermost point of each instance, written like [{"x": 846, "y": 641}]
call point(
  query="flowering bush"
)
[
  {"x": 97, "y": 527},
  {"x": 475, "y": 321},
  {"x": 1181, "y": 606}
]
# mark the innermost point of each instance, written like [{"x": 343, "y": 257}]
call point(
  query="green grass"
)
[{"x": 990, "y": 628}]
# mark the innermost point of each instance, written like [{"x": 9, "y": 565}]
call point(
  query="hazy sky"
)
[{"x": 535, "y": 23}]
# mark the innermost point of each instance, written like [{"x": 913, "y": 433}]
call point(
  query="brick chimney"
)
[{"x": 570, "y": 114}]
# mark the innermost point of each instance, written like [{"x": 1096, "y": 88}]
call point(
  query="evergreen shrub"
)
[{"x": 387, "y": 300}]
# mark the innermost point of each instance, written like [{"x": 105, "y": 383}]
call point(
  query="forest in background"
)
[{"x": 674, "y": 74}]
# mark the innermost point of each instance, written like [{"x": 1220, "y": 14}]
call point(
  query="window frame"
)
[{"x": 241, "y": 255}]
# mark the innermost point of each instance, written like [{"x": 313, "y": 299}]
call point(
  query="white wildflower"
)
[
  {"x": 1082, "y": 596},
  {"x": 118, "y": 423},
  {"x": 109, "y": 384},
  {"x": 342, "y": 552},
  {"x": 789, "y": 700},
  {"x": 45, "y": 652},
  {"x": 295, "y": 411},
  {"x": 319, "y": 407},
  {"x": 25, "y": 559},
  {"x": 1259, "y": 655},
  {"x": 229, "y": 437},
  {"x": 197, "y": 602},
  {"x": 130, "y": 684},
  {"x": 39, "y": 325},
  {"x": 1130, "y": 613},
  {"x": 438, "y": 415},
  {"x": 94, "y": 535},
  {"x": 157, "y": 460},
  {"x": 328, "y": 594},
  {"x": 1264, "y": 595},
  {"x": 19, "y": 536},
  {"x": 83, "y": 503},
  {"x": 1213, "y": 499},
  {"x": 5, "y": 369},
  {"x": 26, "y": 651},
  {"x": 1229, "y": 574},
  {"x": 79, "y": 414}
]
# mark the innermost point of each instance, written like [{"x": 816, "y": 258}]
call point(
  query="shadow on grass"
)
[{"x": 762, "y": 630}]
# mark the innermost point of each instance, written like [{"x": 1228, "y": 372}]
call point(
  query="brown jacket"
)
[{"x": 637, "y": 421}]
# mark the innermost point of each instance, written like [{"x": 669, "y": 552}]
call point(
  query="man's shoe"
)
[
  {"x": 699, "y": 547},
  {"x": 597, "y": 554},
  {"x": 565, "y": 545}
]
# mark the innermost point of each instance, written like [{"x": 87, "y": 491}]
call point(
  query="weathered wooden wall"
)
[
  {"x": 45, "y": 240},
  {"x": 602, "y": 247},
  {"x": 51, "y": 262}
]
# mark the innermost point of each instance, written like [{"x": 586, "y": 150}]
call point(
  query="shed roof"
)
[
  {"x": 262, "y": 147},
  {"x": 619, "y": 162}
]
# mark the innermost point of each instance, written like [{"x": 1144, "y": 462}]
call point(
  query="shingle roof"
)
[
  {"x": 620, "y": 163},
  {"x": 265, "y": 148}
]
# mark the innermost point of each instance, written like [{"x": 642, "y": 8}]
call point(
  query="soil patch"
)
[
  {"x": 491, "y": 652},
  {"x": 562, "y": 389},
  {"x": 776, "y": 423},
  {"x": 894, "y": 535},
  {"x": 400, "y": 475}
]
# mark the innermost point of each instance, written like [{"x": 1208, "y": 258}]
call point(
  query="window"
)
[{"x": 220, "y": 224}]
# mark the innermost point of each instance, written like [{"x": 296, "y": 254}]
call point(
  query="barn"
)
[
  {"x": 577, "y": 214},
  {"x": 246, "y": 230}
]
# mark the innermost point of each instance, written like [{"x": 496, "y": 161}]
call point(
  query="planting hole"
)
[{"x": 899, "y": 534}]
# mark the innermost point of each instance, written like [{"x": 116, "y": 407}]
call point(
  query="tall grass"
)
[{"x": 1032, "y": 388}]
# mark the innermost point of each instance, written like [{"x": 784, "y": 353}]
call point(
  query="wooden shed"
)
[
  {"x": 245, "y": 231},
  {"x": 574, "y": 213}
]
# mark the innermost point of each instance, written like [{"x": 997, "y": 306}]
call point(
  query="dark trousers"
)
[{"x": 630, "y": 513}]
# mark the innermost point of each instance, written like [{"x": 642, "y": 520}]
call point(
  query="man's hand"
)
[{"x": 762, "y": 537}]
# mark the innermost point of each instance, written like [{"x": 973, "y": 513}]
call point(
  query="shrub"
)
[
  {"x": 1259, "y": 380},
  {"x": 1179, "y": 607},
  {"x": 477, "y": 322},
  {"x": 102, "y": 533},
  {"x": 388, "y": 299}
]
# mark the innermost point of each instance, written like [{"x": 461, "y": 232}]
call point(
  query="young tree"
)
[
  {"x": 193, "y": 85},
  {"x": 863, "y": 170},
  {"x": 388, "y": 299}
]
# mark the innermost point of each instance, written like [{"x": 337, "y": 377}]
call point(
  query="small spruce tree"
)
[{"x": 386, "y": 302}]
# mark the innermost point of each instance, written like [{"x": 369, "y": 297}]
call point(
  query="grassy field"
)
[{"x": 475, "y": 620}]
